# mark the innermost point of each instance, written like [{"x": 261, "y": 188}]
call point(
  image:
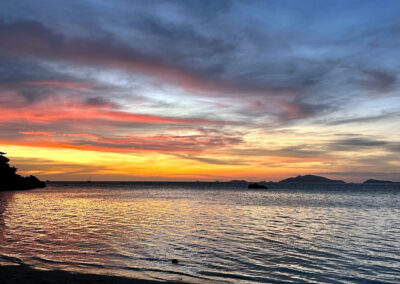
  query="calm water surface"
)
[{"x": 219, "y": 232}]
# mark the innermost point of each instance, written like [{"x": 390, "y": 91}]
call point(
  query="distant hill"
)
[
  {"x": 310, "y": 179},
  {"x": 10, "y": 180},
  {"x": 377, "y": 181},
  {"x": 239, "y": 181}
]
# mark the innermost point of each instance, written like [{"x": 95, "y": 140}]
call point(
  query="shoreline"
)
[{"x": 22, "y": 274}]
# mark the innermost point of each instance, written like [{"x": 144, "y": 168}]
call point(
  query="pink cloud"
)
[{"x": 39, "y": 133}]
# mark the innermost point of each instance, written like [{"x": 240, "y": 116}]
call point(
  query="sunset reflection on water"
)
[{"x": 216, "y": 234}]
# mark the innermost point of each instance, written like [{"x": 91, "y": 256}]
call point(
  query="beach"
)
[{"x": 22, "y": 274}]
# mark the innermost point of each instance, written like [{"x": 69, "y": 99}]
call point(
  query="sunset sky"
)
[{"x": 200, "y": 90}]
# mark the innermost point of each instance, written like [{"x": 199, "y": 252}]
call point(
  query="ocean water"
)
[{"x": 219, "y": 232}]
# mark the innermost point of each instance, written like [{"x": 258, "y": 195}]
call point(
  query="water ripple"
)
[{"x": 218, "y": 234}]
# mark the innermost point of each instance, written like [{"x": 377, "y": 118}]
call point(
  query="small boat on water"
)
[{"x": 256, "y": 186}]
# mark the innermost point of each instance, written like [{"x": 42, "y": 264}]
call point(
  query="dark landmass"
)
[
  {"x": 10, "y": 180},
  {"x": 25, "y": 274},
  {"x": 377, "y": 181},
  {"x": 256, "y": 186},
  {"x": 310, "y": 179},
  {"x": 239, "y": 181}
]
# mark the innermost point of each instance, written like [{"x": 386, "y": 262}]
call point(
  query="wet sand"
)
[{"x": 25, "y": 274}]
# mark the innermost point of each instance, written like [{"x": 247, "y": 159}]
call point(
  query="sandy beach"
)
[{"x": 25, "y": 274}]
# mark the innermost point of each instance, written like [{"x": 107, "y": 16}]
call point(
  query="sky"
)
[{"x": 200, "y": 90}]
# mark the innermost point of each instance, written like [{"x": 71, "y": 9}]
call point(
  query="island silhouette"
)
[
  {"x": 377, "y": 181},
  {"x": 310, "y": 179},
  {"x": 10, "y": 180}
]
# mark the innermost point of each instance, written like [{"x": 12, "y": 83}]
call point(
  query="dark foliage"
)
[{"x": 10, "y": 180}]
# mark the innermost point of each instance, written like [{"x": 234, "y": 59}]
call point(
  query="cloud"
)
[
  {"x": 29, "y": 38},
  {"x": 92, "y": 109},
  {"x": 356, "y": 143},
  {"x": 395, "y": 148},
  {"x": 212, "y": 161},
  {"x": 361, "y": 142},
  {"x": 204, "y": 80},
  {"x": 381, "y": 81},
  {"x": 280, "y": 86},
  {"x": 32, "y": 38},
  {"x": 195, "y": 143},
  {"x": 60, "y": 84},
  {"x": 46, "y": 167},
  {"x": 40, "y": 133},
  {"x": 294, "y": 153},
  {"x": 365, "y": 119}
]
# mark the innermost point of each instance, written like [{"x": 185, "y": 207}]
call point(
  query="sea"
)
[{"x": 218, "y": 232}]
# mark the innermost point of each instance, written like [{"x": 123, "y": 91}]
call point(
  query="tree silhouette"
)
[{"x": 10, "y": 180}]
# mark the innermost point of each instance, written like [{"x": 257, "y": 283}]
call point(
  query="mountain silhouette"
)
[
  {"x": 377, "y": 181},
  {"x": 10, "y": 180},
  {"x": 310, "y": 179}
]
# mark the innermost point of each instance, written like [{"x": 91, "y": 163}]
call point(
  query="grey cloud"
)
[
  {"x": 182, "y": 43},
  {"x": 215, "y": 57},
  {"x": 395, "y": 148},
  {"x": 24, "y": 69},
  {"x": 162, "y": 143},
  {"x": 366, "y": 119},
  {"x": 381, "y": 81},
  {"x": 100, "y": 102},
  {"x": 211, "y": 160},
  {"x": 299, "y": 151},
  {"x": 361, "y": 142},
  {"x": 355, "y": 144}
]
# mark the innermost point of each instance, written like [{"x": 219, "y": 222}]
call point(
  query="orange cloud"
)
[{"x": 47, "y": 113}]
